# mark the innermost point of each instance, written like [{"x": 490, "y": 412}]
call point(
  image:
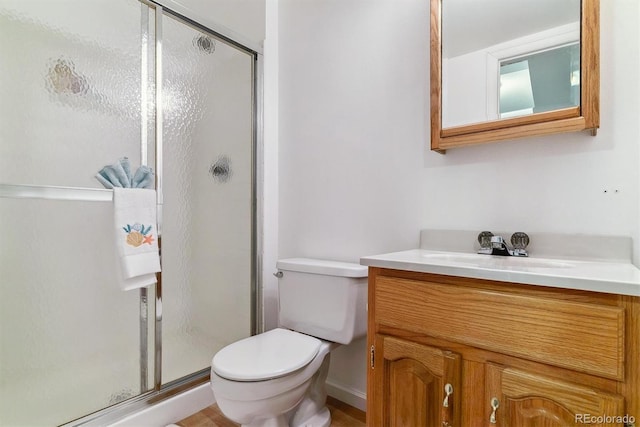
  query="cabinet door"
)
[
  {"x": 527, "y": 399},
  {"x": 416, "y": 385}
]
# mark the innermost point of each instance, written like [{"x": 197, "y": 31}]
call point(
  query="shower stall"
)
[{"x": 83, "y": 84}]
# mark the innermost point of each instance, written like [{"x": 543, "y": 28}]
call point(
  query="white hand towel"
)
[{"x": 134, "y": 213}]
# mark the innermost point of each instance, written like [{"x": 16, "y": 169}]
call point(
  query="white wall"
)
[
  {"x": 356, "y": 174},
  {"x": 353, "y": 116},
  {"x": 270, "y": 168}
]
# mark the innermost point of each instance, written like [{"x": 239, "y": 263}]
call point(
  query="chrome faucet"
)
[
  {"x": 495, "y": 245},
  {"x": 499, "y": 247}
]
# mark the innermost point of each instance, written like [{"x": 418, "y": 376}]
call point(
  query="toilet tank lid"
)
[{"x": 321, "y": 266}]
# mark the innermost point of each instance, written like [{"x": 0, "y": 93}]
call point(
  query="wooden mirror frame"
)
[{"x": 585, "y": 116}]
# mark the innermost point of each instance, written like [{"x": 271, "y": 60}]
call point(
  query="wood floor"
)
[{"x": 342, "y": 415}]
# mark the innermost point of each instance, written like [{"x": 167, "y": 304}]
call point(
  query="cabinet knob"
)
[
  {"x": 446, "y": 412},
  {"x": 495, "y": 404},
  {"x": 448, "y": 390}
]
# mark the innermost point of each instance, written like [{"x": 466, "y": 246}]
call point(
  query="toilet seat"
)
[{"x": 269, "y": 355}]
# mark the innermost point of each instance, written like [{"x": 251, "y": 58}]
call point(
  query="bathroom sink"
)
[
  {"x": 452, "y": 258},
  {"x": 538, "y": 263},
  {"x": 492, "y": 261}
]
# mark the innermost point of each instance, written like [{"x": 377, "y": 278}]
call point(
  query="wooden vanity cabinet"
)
[
  {"x": 418, "y": 383},
  {"x": 530, "y": 399},
  {"x": 508, "y": 355}
]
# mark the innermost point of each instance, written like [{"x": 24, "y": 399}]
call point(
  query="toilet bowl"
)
[
  {"x": 262, "y": 401},
  {"x": 277, "y": 378}
]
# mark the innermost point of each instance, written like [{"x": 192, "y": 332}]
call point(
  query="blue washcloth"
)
[
  {"x": 143, "y": 178},
  {"x": 126, "y": 167},
  {"x": 118, "y": 175},
  {"x": 109, "y": 174},
  {"x": 104, "y": 179}
]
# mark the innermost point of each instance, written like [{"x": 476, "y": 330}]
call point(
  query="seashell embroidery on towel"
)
[{"x": 138, "y": 235}]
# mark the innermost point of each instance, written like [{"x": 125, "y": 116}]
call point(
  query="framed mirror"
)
[{"x": 505, "y": 69}]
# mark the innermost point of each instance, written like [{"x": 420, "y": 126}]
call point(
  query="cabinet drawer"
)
[{"x": 581, "y": 336}]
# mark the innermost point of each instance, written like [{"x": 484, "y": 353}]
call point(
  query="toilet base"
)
[
  {"x": 321, "y": 419},
  {"x": 280, "y": 421},
  {"x": 311, "y": 411}
]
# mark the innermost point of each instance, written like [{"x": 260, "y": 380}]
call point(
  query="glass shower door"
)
[
  {"x": 207, "y": 252},
  {"x": 72, "y": 77},
  {"x": 82, "y": 84}
]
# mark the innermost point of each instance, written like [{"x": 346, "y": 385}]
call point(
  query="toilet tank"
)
[{"x": 325, "y": 299}]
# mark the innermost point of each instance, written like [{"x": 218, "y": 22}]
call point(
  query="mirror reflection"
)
[
  {"x": 508, "y": 58},
  {"x": 543, "y": 81}
]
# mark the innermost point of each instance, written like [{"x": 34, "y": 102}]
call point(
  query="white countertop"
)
[{"x": 598, "y": 276}]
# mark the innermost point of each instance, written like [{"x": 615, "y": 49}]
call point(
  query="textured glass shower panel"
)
[
  {"x": 72, "y": 74},
  {"x": 69, "y": 337},
  {"x": 206, "y": 247},
  {"x": 70, "y": 89}
]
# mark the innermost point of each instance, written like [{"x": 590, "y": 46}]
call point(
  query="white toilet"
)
[{"x": 277, "y": 378}]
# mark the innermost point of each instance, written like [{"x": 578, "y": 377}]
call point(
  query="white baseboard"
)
[
  {"x": 349, "y": 395},
  {"x": 171, "y": 410}
]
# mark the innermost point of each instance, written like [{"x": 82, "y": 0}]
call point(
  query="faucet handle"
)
[
  {"x": 484, "y": 238},
  {"x": 520, "y": 240}
]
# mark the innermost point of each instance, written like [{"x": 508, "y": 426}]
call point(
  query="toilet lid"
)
[{"x": 265, "y": 356}]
